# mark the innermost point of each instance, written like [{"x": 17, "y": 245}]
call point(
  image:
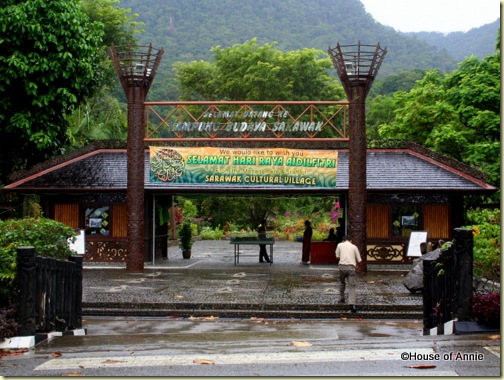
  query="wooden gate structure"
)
[{"x": 110, "y": 189}]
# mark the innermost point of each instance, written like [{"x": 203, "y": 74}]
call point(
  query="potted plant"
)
[{"x": 185, "y": 240}]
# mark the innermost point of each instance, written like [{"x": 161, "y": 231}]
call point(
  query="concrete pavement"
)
[{"x": 210, "y": 284}]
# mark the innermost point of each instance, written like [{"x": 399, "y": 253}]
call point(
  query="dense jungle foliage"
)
[
  {"x": 188, "y": 29},
  {"x": 486, "y": 226}
]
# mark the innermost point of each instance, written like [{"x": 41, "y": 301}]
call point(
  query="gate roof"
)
[{"x": 414, "y": 169}]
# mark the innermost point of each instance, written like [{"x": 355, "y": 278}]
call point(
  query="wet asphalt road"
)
[{"x": 170, "y": 347}]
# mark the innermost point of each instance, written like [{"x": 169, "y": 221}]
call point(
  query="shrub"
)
[
  {"x": 8, "y": 325},
  {"x": 207, "y": 233},
  {"x": 486, "y": 231},
  {"x": 7, "y": 273},
  {"x": 47, "y": 236},
  {"x": 486, "y": 308},
  {"x": 319, "y": 235},
  {"x": 291, "y": 226}
]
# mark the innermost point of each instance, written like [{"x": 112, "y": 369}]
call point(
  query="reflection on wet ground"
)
[
  {"x": 103, "y": 334},
  {"x": 210, "y": 281}
]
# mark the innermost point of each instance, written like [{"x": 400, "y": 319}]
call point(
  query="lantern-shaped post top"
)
[
  {"x": 136, "y": 66},
  {"x": 357, "y": 65}
]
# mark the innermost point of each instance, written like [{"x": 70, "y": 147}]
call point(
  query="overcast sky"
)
[{"x": 433, "y": 15}]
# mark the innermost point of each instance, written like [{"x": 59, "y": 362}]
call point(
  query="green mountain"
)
[
  {"x": 188, "y": 29},
  {"x": 478, "y": 41}
]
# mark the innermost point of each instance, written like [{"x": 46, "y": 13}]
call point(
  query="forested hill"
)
[
  {"x": 477, "y": 41},
  {"x": 188, "y": 29}
]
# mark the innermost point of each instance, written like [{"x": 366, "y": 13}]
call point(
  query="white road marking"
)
[
  {"x": 331, "y": 291},
  {"x": 229, "y": 359},
  {"x": 494, "y": 350},
  {"x": 422, "y": 372}
]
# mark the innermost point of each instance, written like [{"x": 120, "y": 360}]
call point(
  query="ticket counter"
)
[{"x": 323, "y": 252}]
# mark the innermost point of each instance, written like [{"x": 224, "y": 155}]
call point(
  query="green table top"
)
[{"x": 251, "y": 240}]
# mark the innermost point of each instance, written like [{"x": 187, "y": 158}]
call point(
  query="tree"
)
[
  {"x": 474, "y": 91},
  {"x": 119, "y": 26},
  {"x": 420, "y": 108},
  {"x": 380, "y": 111},
  {"x": 49, "y": 63},
  {"x": 401, "y": 81},
  {"x": 456, "y": 114},
  {"x": 103, "y": 116},
  {"x": 244, "y": 212},
  {"x": 252, "y": 72}
]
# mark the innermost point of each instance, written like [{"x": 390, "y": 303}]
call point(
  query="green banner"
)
[{"x": 244, "y": 167}]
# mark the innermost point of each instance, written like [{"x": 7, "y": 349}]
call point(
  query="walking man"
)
[{"x": 349, "y": 257}]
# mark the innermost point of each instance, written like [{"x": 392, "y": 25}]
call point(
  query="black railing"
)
[
  {"x": 448, "y": 283},
  {"x": 49, "y": 293}
]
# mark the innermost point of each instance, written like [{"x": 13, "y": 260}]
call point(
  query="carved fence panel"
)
[{"x": 448, "y": 283}]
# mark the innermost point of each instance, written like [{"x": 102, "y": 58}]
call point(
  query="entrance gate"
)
[
  {"x": 356, "y": 65},
  {"x": 245, "y": 146}
]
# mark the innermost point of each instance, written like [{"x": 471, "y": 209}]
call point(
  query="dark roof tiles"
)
[
  {"x": 102, "y": 170},
  {"x": 392, "y": 170}
]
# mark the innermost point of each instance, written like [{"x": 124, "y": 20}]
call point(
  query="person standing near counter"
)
[
  {"x": 349, "y": 257},
  {"x": 332, "y": 236},
  {"x": 263, "y": 253},
  {"x": 307, "y": 236}
]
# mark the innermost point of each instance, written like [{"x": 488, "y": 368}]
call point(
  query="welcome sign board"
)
[
  {"x": 247, "y": 119},
  {"x": 245, "y": 167}
]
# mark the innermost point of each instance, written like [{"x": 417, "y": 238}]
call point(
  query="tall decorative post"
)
[
  {"x": 463, "y": 251},
  {"x": 136, "y": 70},
  {"x": 27, "y": 291},
  {"x": 357, "y": 66}
]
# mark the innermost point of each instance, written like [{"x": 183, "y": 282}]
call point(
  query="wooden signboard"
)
[{"x": 416, "y": 238}]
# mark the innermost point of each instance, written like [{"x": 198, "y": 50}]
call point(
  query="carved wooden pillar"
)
[
  {"x": 357, "y": 66},
  {"x": 357, "y": 179},
  {"x": 136, "y": 70},
  {"x": 135, "y": 193}
]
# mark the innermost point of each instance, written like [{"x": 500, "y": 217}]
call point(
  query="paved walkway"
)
[{"x": 210, "y": 282}]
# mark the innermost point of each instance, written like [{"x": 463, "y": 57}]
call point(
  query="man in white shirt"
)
[{"x": 349, "y": 257}]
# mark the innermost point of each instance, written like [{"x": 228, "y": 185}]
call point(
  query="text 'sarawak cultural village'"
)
[{"x": 257, "y": 148}]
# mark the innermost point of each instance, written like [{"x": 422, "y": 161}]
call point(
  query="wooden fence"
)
[
  {"x": 448, "y": 283},
  {"x": 50, "y": 293}
]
